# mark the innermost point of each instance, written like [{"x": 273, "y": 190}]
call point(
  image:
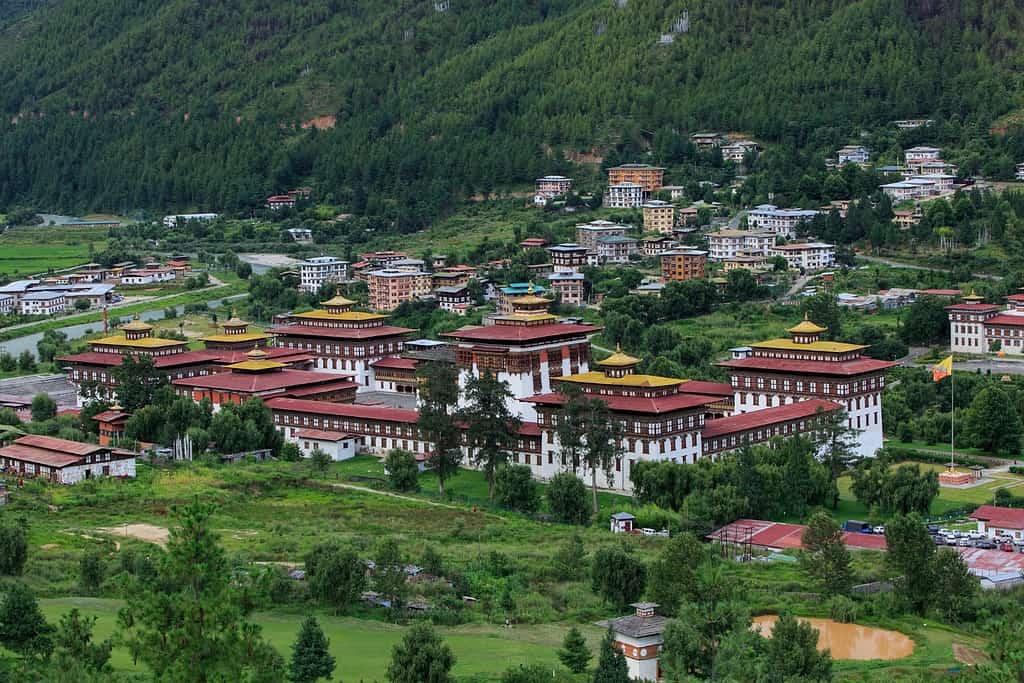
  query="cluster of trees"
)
[{"x": 900, "y": 490}]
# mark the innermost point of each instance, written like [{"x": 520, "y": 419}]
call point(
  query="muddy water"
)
[{"x": 849, "y": 641}]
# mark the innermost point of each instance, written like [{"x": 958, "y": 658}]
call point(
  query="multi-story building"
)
[
  {"x": 787, "y": 420},
  {"x": 782, "y": 222},
  {"x": 342, "y": 340},
  {"x": 977, "y": 327},
  {"x": 741, "y": 260},
  {"x": 314, "y": 272},
  {"x": 737, "y": 151},
  {"x": 64, "y": 462},
  {"x": 624, "y": 196},
  {"x": 512, "y": 291},
  {"x": 852, "y": 154},
  {"x": 390, "y": 287},
  {"x": 525, "y": 348},
  {"x": 551, "y": 186},
  {"x": 570, "y": 288},
  {"x": 659, "y": 217},
  {"x": 726, "y": 244},
  {"x": 652, "y": 246},
  {"x": 588, "y": 233},
  {"x": 707, "y": 141},
  {"x": 42, "y": 303},
  {"x": 922, "y": 153},
  {"x": 568, "y": 258},
  {"x": 905, "y": 220},
  {"x": 280, "y": 201},
  {"x": 807, "y": 256},
  {"x": 616, "y": 249},
  {"x": 683, "y": 264},
  {"x": 782, "y": 371},
  {"x": 454, "y": 299},
  {"x": 650, "y": 178}
]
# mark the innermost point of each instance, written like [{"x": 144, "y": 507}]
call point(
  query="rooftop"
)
[{"x": 744, "y": 422}]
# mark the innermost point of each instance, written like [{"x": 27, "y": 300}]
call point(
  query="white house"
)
[
  {"x": 782, "y": 222},
  {"x": 921, "y": 153},
  {"x": 726, "y": 244},
  {"x": 995, "y": 521},
  {"x": 807, "y": 255},
  {"x": 852, "y": 154},
  {"x": 63, "y": 461},
  {"x": 338, "y": 445},
  {"x": 314, "y": 272},
  {"x": 1020, "y": 172},
  {"x": 172, "y": 221},
  {"x": 624, "y": 196}
]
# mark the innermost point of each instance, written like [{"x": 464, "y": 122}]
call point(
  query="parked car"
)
[
  {"x": 940, "y": 539},
  {"x": 932, "y": 528},
  {"x": 976, "y": 535},
  {"x": 952, "y": 540},
  {"x": 985, "y": 544},
  {"x": 854, "y": 526},
  {"x": 880, "y": 529},
  {"x": 965, "y": 542},
  {"x": 1006, "y": 547}
]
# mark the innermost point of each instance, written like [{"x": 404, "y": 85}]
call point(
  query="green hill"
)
[{"x": 118, "y": 104}]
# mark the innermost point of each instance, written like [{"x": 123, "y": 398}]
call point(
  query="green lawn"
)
[
  {"x": 361, "y": 647},
  {"x": 32, "y": 250}
]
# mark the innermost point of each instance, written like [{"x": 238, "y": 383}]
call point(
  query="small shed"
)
[
  {"x": 338, "y": 445},
  {"x": 623, "y": 523}
]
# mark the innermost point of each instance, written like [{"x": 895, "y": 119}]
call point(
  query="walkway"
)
[{"x": 364, "y": 489}]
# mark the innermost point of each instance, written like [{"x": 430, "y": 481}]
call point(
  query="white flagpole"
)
[{"x": 952, "y": 413}]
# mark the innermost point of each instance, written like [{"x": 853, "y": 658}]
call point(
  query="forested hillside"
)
[{"x": 118, "y": 104}]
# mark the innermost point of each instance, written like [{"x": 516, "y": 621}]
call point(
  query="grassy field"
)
[
  {"x": 37, "y": 249},
  {"x": 362, "y": 648}
]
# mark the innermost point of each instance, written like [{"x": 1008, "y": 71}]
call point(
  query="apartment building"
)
[
  {"x": 807, "y": 256},
  {"x": 782, "y": 222},
  {"x": 568, "y": 258},
  {"x": 314, "y": 272},
  {"x": 42, "y": 303},
  {"x": 588, "y": 233},
  {"x": 390, "y": 287},
  {"x": 726, "y": 244},
  {"x": 852, "y": 154},
  {"x": 624, "y": 196},
  {"x": 659, "y": 216},
  {"x": 683, "y": 264},
  {"x": 921, "y": 153},
  {"x": 551, "y": 186},
  {"x": 616, "y": 249},
  {"x": 570, "y": 288},
  {"x": 650, "y": 178}
]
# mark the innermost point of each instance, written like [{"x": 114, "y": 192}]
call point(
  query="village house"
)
[
  {"x": 751, "y": 262},
  {"x": 570, "y": 288},
  {"x": 280, "y": 201},
  {"x": 315, "y": 271},
  {"x": 533, "y": 243},
  {"x": 683, "y": 264},
  {"x": 706, "y": 141},
  {"x": 338, "y": 445},
  {"x": 587, "y": 233},
  {"x": 852, "y": 154},
  {"x": 659, "y": 217},
  {"x": 616, "y": 249},
  {"x": 674, "y": 191},
  {"x": 454, "y": 299},
  {"x": 42, "y": 303},
  {"x": 807, "y": 256},
  {"x": 301, "y": 235},
  {"x": 977, "y": 327},
  {"x": 64, "y": 462},
  {"x": 568, "y": 258},
  {"x": 782, "y": 222},
  {"x": 147, "y": 276},
  {"x": 907, "y": 219},
  {"x": 738, "y": 150},
  {"x": 551, "y": 186},
  {"x": 996, "y": 522},
  {"x": 172, "y": 221},
  {"x": 652, "y": 246},
  {"x": 921, "y": 153},
  {"x": 624, "y": 196}
]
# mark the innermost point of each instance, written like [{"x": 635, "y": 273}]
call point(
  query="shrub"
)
[
  {"x": 13, "y": 548},
  {"x": 402, "y": 471},
  {"x": 567, "y": 499},
  {"x": 842, "y": 609},
  {"x": 515, "y": 489}
]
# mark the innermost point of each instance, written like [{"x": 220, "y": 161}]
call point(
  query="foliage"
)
[
  {"x": 23, "y": 629},
  {"x": 515, "y": 489},
  {"x": 925, "y": 322},
  {"x": 189, "y": 624},
  {"x": 617, "y": 576},
  {"x": 439, "y": 395},
  {"x": 826, "y": 558},
  {"x": 13, "y": 546},
  {"x": 43, "y": 408},
  {"x": 311, "y": 659},
  {"x": 989, "y": 425},
  {"x": 900, "y": 490},
  {"x": 611, "y": 663},
  {"x": 246, "y": 427},
  {"x": 567, "y": 498},
  {"x": 792, "y": 653},
  {"x": 421, "y": 657},
  {"x": 673, "y": 576},
  {"x": 910, "y": 551},
  {"x": 335, "y": 575},
  {"x": 403, "y": 472},
  {"x": 319, "y": 460},
  {"x": 91, "y": 571},
  {"x": 955, "y": 583},
  {"x": 137, "y": 381},
  {"x": 575, "y": 654},
  {"x": 73, "y": 643},
  {"x": 491, "y": 426},
  {"x": 389, "y": 578}
]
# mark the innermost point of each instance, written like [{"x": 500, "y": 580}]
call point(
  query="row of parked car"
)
[{"x": 975, "y": 539}]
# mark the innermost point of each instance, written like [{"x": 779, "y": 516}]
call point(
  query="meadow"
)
[{"x": 40, "y": 249}]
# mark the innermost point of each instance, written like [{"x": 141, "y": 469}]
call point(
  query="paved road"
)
[
  {"x": 913, "y": 266},
  {"x": 734, "y": 222}
]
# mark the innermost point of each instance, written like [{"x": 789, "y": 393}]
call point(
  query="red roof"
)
[
  {"x": 395, "y": 363},
  {"x": 1003, "y": 518},
  {"x": 533, "y": 242},
  {"x": 766, "y": 534},
  {"x": 298, "y": 405},
  {"x": 111, "y": 416},
  {"x": 707, "y": 388},
  {"x": 169, "y": 361},
  {"x": 529, "y": 429},
  {"x": 768, "y": 416},
  {"x": 39, "y": 456},
  {"x": 323, "y": 435},
  {"x": 634, "y": 404},
  {"x": 1015, "y": 297},
  {"x": 356, "y": 333},
  {"x": 972, "y": 307},
  {"x": 255, "y": 382},
  {"x": 844, "y": 368},
  {"x": 521, "y": 333},
  {"x": 1006, "y": 319}
]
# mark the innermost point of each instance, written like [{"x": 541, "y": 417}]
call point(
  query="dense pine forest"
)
[{"x": 122, "y": 104}]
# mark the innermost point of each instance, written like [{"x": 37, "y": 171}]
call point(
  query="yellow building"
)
[{"x": 659, "y": 217}]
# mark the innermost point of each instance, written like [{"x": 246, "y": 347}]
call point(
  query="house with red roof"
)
[
  {"x": 994, "y": 521},
  {"x": 64, "y": 462},
  {"x": 338, "y": 445},
  {"x": 978, "y": 327}
]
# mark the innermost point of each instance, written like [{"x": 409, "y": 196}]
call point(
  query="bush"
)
[
  {"x": 515, "y": 489},
  {"x": 91, "y": 571},
  {"x": 402, "y": 471},
  {"x": 1016, "y": 469},
  {"x": 534, "y": 608},
  {"x": 567, "y": 499},
  {"x": 13, "y": 548},
  {"x": 842, "y": 609}
]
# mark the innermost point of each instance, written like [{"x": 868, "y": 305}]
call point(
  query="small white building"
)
[
  {"x": 42, "y": 303},
  {"x": 624, "y": 196},
  {"x": 782, "y": 222},
  {"x": 1020, "y": 172},
  {"x": 64, "y": 462},
  {"x": 338, "y": 445},
  {"x": 551, "y": 186},
  {"x": 852, "y": 154},
  {"x": 623, "y": 523},
  {"x": 737, "y": 151},
  {"x": 921, "y": 153},
  {"x": 314, "y": 272},
  {"x": 639, "y": 637},
  {"x": 172, "y": 221},
  {"x": 995, "y": 521}
]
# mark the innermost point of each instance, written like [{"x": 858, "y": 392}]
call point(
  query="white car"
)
[
  {"x": 880, "y": 529},
  {"x": 976, "y": 535}
]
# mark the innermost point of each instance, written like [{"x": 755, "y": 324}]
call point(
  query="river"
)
[{"x": 77, "y": 331}]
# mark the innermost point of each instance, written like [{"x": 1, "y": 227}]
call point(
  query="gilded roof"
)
[
  {"x": 618, "y": 359},
  {"x": 137, "y": 325},
  {"x": 807, "y": 327},
  {"x": 825, "y": 346},
  {"x": 144, "y": 342},
  {"x": 338, "y": 301},
  {"x": 353, "y": 316},
  {"x": 593, "y": 377}
]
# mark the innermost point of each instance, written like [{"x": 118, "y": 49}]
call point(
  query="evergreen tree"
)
[
  {"x": 567, "y": 498},
  {"x": 43, "y": 408},
  {"x": 311, "y": 657},
  {"x": 389, "y": 578},
  {"x": 319, "y": 460},
  {"x": 910, "y": 551},
  {"x": 137, "y": 381},
  {"x": 439, "y": 396},
  {"x": 23, "y": 629},
  {"x": 491, "y": 427},
  {"x": 575, "y": 654},
  {"x": 673, "y": 576},
  {"x": 617, "y": 576},
  {"x": 335, "y": 576},
  {"x": 611, "y": 663},
  {"x": 73, "y": 644},
  {"x": 13, "y": 546},
  {"x": 403, "y": 473},
  {"x": 826, "y": 557},
  {"x": 421, "y": 657},
  {"x": 791, "y": 654}
]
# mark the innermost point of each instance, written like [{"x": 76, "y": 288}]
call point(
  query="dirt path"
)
[
  {"x": 363, "y": 489},
  {"x": 143, "y": 532},
  {"x": 968, "y": 655}
]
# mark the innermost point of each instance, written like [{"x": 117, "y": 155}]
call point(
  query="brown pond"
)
[{"x": 849, "y": 641}]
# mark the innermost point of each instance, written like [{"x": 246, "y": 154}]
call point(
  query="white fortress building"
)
[{"x": 977, "y": 327}]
